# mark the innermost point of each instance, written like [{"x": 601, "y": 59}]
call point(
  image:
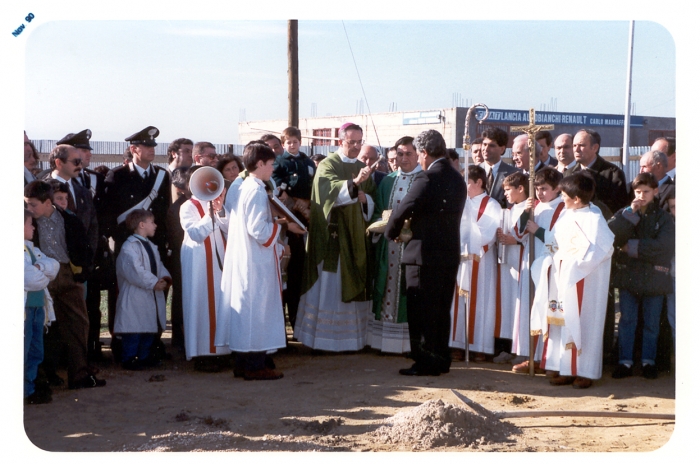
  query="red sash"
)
[{"x": 210, "y": 283}]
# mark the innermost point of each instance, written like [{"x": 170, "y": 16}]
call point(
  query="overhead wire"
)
[{"x": 364, "y": 95}]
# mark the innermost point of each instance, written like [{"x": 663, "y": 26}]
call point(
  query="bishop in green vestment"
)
[{"x": 335, "y": 303}]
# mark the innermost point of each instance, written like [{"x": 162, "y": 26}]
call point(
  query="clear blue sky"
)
[{"x": 197, "y": 78}]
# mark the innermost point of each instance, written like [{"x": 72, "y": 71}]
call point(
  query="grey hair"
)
[
  {"x": 538, "y": 147},
  {"x": 659, "y": 157},
  {"x": 432, "y": 142}
]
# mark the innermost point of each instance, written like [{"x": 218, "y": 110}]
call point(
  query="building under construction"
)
[{"x": 383, "y": 129}]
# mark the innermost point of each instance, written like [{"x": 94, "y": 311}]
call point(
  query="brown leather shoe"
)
[
  {"x": 582, "y": 382},
  {"x": 562, "y": 380},
  {"x": 524, "y": 368},
  {"x": 551, "y": 374},
  {"x": 262, "y": 374}
]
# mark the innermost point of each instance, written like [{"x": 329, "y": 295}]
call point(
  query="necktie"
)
[
  {"x": 145, "y": 176},
  {"x": 71, "y": 202},
  {"x": 489, "y": 180}
]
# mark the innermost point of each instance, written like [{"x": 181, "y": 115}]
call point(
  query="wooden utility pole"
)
[{"x": 293, "y": 71}]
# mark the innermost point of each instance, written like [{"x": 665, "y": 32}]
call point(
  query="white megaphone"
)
[{"x": 206, "y": 183}]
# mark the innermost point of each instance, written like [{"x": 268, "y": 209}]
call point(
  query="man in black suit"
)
[
  {"x": 65, "y": 162},
  {"x": 564, "y": 150},
  {"x": 94, "y": 182},
  {"x": 130, "y": 185},
  {"x": 611, "y": 192},
  {"x": 434, "y": 206},
  {"x": 610, "y": 184},
  {"x": 544, "y": 140},
  {"x": 492, "y": 148}
]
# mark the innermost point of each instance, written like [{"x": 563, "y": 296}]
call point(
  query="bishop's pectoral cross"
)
[{"x": 531, "y": 129}]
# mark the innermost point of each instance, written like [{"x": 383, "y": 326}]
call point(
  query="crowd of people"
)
[{"x": 405, "y": 252}]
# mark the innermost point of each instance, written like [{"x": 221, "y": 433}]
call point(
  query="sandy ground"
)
[{"x": 339, "y": 402}]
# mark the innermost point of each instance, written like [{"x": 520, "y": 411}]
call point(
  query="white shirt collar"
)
[
  {"x": 417, "y": 169},
  {"x": 494, "y": 167},
  {"x": 28, "y": 176},
  {"x": 139, "y": 169},
  {"x": 344, "y": 158}
]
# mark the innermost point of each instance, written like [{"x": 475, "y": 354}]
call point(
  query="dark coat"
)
[
  {"x": 124, "y": 188},
  {"x": 434, "y": 204},
  {"x": 296, "y": 172},
  {"x": 497, "y": 192},
  {"x": 85, "y": 210},
  {"x": 645, "y": 269},
  {"x": 610, "y": 183},
  {"x": 550, "y": 162},
  {"x": 78, "y": 247}
]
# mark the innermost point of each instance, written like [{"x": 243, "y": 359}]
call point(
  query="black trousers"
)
[
  {"x": 429, "y": 291},
  {"x": 295, "y": 270}
]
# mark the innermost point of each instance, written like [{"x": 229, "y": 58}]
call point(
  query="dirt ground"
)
[{"x": 340, "y": 402}]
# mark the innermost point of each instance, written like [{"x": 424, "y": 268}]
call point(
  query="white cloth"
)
[
  {"x": 478, "y": 232},
  {"x": 521, "y": 315},
  {"x": 201, "y": 255},
  {"x": 581, "y": 244},
  {"x": 38, "y": 278},
  {"x": 140, "y": 309},
  {"x": 251, "y": 318},
  {"x": 324, "y": 322}
]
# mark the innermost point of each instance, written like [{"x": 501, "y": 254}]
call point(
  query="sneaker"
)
[
  {"x": 503, "y": 358},
  {"x": 650, "y": 371},
  {"x": 622, "y": 371}
]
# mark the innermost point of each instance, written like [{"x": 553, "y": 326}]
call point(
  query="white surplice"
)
[
  {"x": 324, "y": 321},
  {"x": 250, "y": 318},
  {"x": 580, "y": 247},
  {"x": 546, "y": 215},
  {"x": 478, "y": 232},
  {"x": 201, "y": 257}
]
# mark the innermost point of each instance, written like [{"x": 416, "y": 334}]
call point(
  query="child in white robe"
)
[
  {"x": 580, "y": 247},
  {"x": 202, "y": 256},
  {"x": 480, "y": 221},
  {"x": 548, "y": 210},
  {"x": 253, "y": 323}
]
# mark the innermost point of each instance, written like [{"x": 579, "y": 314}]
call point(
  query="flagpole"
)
[{"x": 628, "y": 103}]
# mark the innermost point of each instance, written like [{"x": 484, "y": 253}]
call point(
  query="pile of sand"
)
[{"x": 435, "y": 424}]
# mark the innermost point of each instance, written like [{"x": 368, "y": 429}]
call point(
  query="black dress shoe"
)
[{"x": 413, "y": 370}]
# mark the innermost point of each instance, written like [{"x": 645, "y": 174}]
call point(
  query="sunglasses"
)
[{"x": 75, "y": 161}]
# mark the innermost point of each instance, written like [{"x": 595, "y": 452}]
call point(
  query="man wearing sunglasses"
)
[{"x": 66, "y": 165}]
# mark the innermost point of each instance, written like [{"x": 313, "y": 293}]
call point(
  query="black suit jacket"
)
[
  {"x": 124, "y": 188},
  {"x": 550, "y": 162},
  {"x": 434, "y": 204},
  {"x": 611, "y": 187},
  {"x": 497, "y": 192}
]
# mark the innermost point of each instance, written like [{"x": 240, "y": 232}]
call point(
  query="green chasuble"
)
[{"x": 337, "y": 233}]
